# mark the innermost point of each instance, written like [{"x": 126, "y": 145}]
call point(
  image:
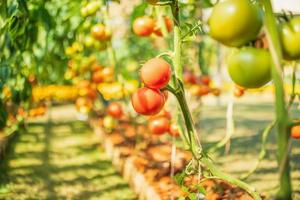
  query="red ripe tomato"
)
[
  {"x": 91, "y": 93},
  {"x": 189, "y": 77},
  {"x": 174, "y": 130},
  {"x": 156, "y": 73},
  {"x": 238, "y": 92},
  {"x": 96, "y": 67},
  {"x": 169, "y": 26},
  {"x": 147, "y": 101},
  {"x": 98, "y": 32},
  {"x": 159, "y": 126},
  {"x": 97, "y": 77},
  {"x": 115, "y": 110},
  {"x": 143, "y": 26},
  {"x": 295, "y": 132},
  {"x": 205, "y": 79}
]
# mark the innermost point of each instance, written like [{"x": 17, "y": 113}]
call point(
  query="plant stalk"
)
[
  {"x": 193, "y": 141},
  {"x": 282, "y": 118}
]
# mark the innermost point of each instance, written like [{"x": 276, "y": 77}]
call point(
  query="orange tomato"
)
[
  {"x": 295, "y": 132},
  {"x": 143, "y": 26},
  {"x": 115, "y": 110},
  {"x": 174, "y": 130},
  {"x": 156, "y": 73},
  {"x": 159, "y": 125}
]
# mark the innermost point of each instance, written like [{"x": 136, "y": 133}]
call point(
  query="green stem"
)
[
  {"x": 177, "y": 42},
  {"x": 195, "y": 145},
  {"x": 285, "y": 187},
  {"x": 223, "y": 176}
]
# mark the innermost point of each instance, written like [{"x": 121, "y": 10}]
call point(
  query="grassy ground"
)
[
  {"x": 251, "y": 115},
  {"x": 60, "y": 160}
]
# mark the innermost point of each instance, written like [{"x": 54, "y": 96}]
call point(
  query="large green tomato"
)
[
  {"x": 250, "y": 67},
  {"x": 290, "y": 38},
  {"x": 235, "y": 22}
]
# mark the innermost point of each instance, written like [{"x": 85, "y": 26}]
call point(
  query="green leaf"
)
[
  {"x": 192, "y": 196},
  {"x": 206, "y": 4},
  {"x": 179, "y": 178},
  {"x": 46, "y": 18},
  {"x": 200, "y": 189}
]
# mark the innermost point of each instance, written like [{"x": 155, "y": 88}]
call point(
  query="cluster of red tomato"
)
[
  {"x": 161, "y": 123},
  {"x": 144, "y": 26},
  {"x": 237, "y": 23},
  {"x": 150, "y": 100},
  {"x": 155, "y": 74},
  {"x": 199, "y": 86}
]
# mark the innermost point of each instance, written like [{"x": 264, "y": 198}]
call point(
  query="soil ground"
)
[{"x": 59, "y": 159}]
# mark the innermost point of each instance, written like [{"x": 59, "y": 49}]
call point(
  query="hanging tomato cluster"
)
[
  {"x": 155, "y": 74},
  {"x": 162, "y": 123},
  {"x": 145, "y": 26},
  {"x": 248, "y": 67},
  {"x": 237, "y": 23}
]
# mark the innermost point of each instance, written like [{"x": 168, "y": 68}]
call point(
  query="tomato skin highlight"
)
[
  {"x": 295, "y": 132},
  {"x": 115, "y": 110},
  {"x": 143, "y": 26},
  {"x": 159, "y": 126},
  {"x": 156, "y": 73},
  {"x": 290, "y": 39},
  {"x": 250, "y": 67},
  {"x": 235, "y": 22},
  {"x": 147, "y": 101}
]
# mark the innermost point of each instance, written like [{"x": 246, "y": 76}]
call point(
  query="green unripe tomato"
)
[
  {"x": 89, "y": 41},
  {"x": 235, "y": 22},
  {"x": 100, "y": 45},
  {"x": 92, "y": 7},
  {"x": 109, "y": 122},
  {"x": 84, "y": 12},
  {"x": 250, "y": 67},
  {"x": 290, "y": 39}
]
